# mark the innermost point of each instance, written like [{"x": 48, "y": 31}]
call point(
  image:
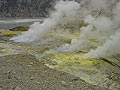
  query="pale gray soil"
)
[{"x": 25, "y": 72}]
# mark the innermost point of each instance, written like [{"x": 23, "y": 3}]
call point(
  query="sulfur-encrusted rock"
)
[{"x": 94, "y": 71}]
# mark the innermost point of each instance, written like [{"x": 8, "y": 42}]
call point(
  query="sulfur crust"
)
[
  {"x": 11, "y": 32},
  {"x": 3, "y": 51},
  {"x": 72, "y": 57}
]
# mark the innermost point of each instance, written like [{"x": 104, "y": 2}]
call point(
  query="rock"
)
[
  {"x": 17, "y": 88},
  {"x": 31, "y": 78},
  {"x": 19, "y": 28},
  {"x": 43, "y": 50}
]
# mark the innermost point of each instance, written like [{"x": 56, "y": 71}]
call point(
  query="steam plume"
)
[{"x": 100, "y": 37}]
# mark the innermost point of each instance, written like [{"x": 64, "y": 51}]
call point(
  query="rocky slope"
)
[{"x": 25, "y": 8}]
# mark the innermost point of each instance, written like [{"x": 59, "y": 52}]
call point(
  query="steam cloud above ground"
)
[
  {"x": 64, "y": 11},
  {"x": 102, "y": 17}
]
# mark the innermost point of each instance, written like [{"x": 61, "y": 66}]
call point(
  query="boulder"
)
[{"x": 19, "y": 28}]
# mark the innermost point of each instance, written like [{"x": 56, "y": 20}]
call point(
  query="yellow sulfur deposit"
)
[
  {"x": 73, "y": 57},
  {"x": 2, "y": 51},
  {"x": 72, "y": 62},
  {"x": 10, "y": 32},
  {"x": 68, "y": 37}
]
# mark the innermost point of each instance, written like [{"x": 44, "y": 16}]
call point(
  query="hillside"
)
[{"x": 25, "y": 8}]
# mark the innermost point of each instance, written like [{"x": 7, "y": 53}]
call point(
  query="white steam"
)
[
  {"x": 109, "y": 48},
  {"x": 100, "y": 37},
  {"x": 64, "y": 12},
  {"x": 112, "y": 44}
]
